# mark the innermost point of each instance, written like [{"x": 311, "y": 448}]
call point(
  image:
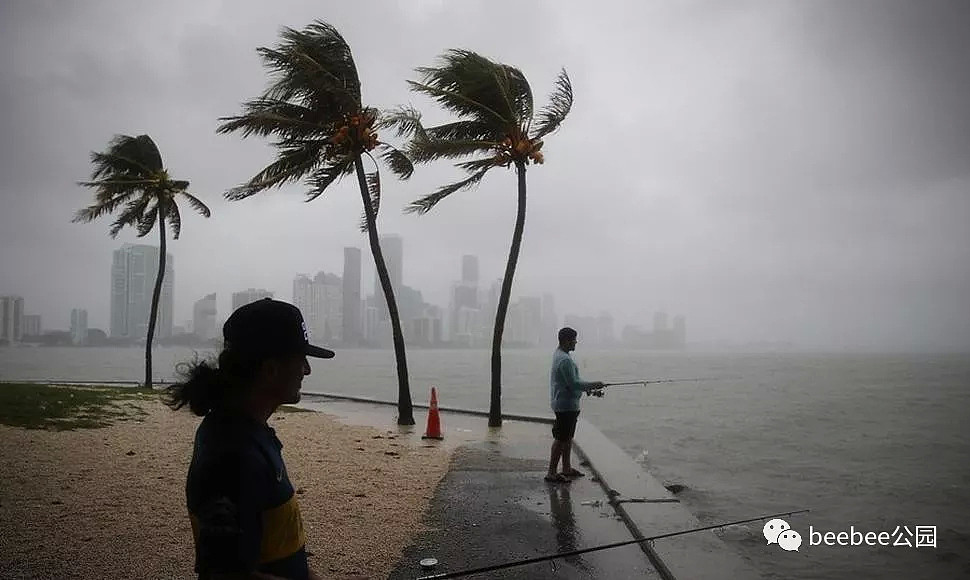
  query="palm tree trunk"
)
[
  {"x": 495, "y": 408},
  {"x": 153, "y": 314},
  {"x": 405, "y": 415}
]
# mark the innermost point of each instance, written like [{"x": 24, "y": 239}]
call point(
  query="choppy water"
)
[{"x": 869, "y": 441}]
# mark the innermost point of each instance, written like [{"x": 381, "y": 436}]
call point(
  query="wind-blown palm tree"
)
[
  {"x": 313, "y": 107},
  {"x": 129, "y": 177},
  {"x": 498, "y": 124}
]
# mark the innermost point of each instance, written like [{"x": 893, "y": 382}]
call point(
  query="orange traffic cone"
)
[{"x": 434, "y": 422}]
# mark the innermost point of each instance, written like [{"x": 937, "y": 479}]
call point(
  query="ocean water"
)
[{"x": 867, "y": 442}]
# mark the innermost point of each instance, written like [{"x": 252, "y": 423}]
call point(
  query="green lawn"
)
[{"x": 59, "y": 408}]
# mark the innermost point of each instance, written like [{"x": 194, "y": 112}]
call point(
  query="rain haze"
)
[{"x": 774, "y": 171}]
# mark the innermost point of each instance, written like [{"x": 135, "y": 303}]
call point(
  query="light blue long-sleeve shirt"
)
[{"x": 565, "y": 386}]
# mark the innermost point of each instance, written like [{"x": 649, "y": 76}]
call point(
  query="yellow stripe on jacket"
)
[{"x": 282, "y": 531}]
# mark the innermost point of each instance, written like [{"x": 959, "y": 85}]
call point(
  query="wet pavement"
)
[{"x": 493, "y": 507}]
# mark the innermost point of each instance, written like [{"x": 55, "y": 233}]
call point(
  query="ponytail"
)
[{"x": 204, "y": 386}]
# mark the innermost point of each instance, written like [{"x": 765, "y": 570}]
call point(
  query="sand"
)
[{"x": 110, "y": 502}]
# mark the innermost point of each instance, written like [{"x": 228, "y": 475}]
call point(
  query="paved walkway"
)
[{"x": 494, "y": 507}]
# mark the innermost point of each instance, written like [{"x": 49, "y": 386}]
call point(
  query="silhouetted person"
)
[
  {"x": 565, "y": 389},
  {"x": 245, "y": 519}
]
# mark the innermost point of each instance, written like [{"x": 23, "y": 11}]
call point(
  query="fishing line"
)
[{"x": 603, "y": 547}]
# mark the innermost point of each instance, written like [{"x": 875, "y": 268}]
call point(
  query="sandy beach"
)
[{"x": 110, "y": 503}]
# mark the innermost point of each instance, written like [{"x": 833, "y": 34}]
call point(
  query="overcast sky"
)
[{"x": 772, "y": 170}]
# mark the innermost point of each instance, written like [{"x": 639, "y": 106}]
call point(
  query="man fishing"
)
[{"x": 565, "y": 389}]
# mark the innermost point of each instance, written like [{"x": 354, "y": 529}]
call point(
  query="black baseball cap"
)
[{"x": 269, "y": 327}]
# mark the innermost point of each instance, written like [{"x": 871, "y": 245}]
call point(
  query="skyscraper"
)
[
  {"x": 134, "y": 270},
  {"x": 204, "y": 317},
  {"x": 79, "y": 325},
  {"x": 32, "y": 325},
  {"x": 469, "y": 270},
  {"x": 321, "y": 302},
  {"x": 11, "y": 319},
  {"x": 352, "y": 310},
  {"x": 244, "y": 297}
]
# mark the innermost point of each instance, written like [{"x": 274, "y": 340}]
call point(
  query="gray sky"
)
[{"x": 772, "y": 170}]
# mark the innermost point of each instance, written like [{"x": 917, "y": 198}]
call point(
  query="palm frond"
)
[
  {"x": 516, "y": 92},
  {"x": 478, "y": 164},
  {"x": 397, "y": 160},
  {"x": 132, "y": 214},
  {"x": 174, "y": 219},
  {"x": 197, "y": 204},
  {"x": 406, "y": 122},
  {"x": 460, "y": 104},
  {"x": 462, "y": 131},
  {"x": 147, "y": 221},
  {"x": 427, "y": 202},
  {"x": 127, "y": 156},
  {"x": 473, "y": 86},
  {"x": 560, "y": 103},
  {"x": 294, "y": 161},
  {"x": 314, "y": 66},
  {"x": 103, "y": 207},
  {"x": 422, "y": 151},
  {"x": 324, "y": 177},
  {"x": 266, "y": 116}
]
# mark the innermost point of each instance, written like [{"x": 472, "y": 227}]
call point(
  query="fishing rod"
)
[
  {"x": 470, "y": 571},
  {"x": 655, "y": 381}
]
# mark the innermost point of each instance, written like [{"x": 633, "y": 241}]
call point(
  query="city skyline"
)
[
  {"x": 776, "y": 171},
  {"x": 466, "y": 321}
]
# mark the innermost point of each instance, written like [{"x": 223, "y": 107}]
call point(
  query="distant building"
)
[
  {"x": 469, "y": 270},
  {"x": 604, "y": 329},
  {"x": 320, "y": 299},
  {"x": 662, "y": 337},
  {"x": 11, "y": 319},
  {"x": 79, "y": 326},
  {"x": 204, "y": 313},
  {"x": 134, "y": 270},
  {"x": 32, "y": 325},
  {"x": 550, "y": 321},
  {"x": 247, "y": 296},
  {"x": 352, "y": 311}
]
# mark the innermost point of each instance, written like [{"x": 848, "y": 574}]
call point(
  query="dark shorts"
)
[{"x": 564, "y": 427}]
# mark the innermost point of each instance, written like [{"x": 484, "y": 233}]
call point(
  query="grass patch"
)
[
  {"x": 60, "y": 407},
  {"x": 291, "y": 409}
]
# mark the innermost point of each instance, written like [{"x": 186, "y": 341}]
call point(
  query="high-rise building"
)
[
  {"x": 79, "y": 325},
  {"x": 680, "y": 331},
  {"x": 550, "y": 321},
  {"x": 247, "y": 296},
  {"x": 321, "y": 301},
  {"x": 469, "y": 270},
  {"x": 604, "y": 328},
  {"x": 32, "y": 325},
  {"x": 465, "y": 306},
  {"x": 352, "y": 331},
  {"x": 11, "y": 319},
  {"x": 134, "y": 270},
  {"x": 328, "y": 306},
  {"x": 204, "y": 313},
  {"x": 392, "y": 247}
]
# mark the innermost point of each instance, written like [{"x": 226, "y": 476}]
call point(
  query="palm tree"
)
[
  {"x": 130, "y": 176},
  {"x": 313, "y": 108},
  {"x": 497, "y": 123}
]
